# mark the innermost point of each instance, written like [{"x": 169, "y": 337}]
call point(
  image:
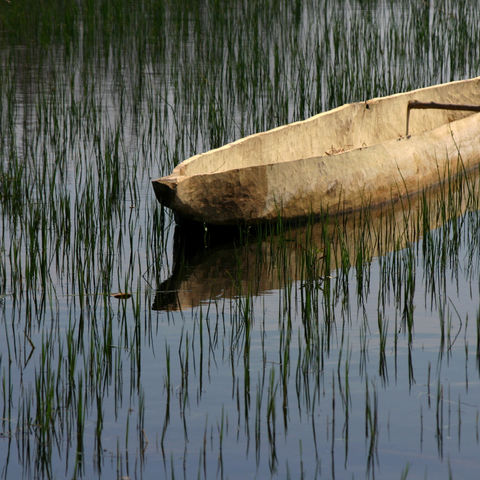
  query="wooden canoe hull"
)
[{"x": 367, "y": 174}]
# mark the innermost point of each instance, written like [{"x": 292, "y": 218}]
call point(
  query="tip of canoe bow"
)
[{"x": 164, "y": 189}]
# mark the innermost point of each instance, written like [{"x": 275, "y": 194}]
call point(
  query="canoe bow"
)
[{"x": 165, "y": 188}]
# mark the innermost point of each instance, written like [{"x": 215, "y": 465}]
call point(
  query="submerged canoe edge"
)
[{"x": 353, "y": 157}]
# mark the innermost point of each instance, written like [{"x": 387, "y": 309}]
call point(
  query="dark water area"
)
[{"x": 347, "y": 347}]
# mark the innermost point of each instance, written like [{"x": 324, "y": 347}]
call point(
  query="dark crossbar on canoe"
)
[{"x": 438, "y": 106}]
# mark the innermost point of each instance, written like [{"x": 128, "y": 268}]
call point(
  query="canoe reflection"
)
[{"x": 265, "y": 261}]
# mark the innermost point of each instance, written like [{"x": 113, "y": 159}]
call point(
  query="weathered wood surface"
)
[{"x": 340, "y": 160}]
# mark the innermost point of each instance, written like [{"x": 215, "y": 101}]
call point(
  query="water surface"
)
[{"x": 347, "y": 347}]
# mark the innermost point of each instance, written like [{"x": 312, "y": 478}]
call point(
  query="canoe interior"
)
[{"x": 345, "y": 128}]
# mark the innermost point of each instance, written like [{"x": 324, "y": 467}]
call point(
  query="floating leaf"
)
[{"x": 121, "y": 295}]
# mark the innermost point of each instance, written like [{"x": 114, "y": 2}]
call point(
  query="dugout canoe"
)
[{"x": 360, "y": 154}]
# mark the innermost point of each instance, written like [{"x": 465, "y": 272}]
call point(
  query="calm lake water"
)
[{"x": 345, "y": 348}]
